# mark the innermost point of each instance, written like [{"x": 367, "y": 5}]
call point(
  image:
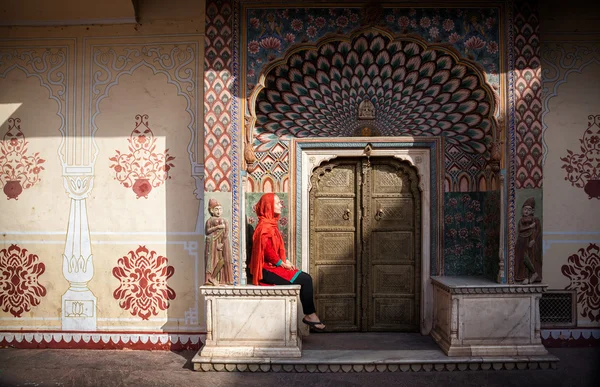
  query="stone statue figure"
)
[
  {"x": 528, "y": 249},
  {"x": 366, "y": 110},
  {"x": 217, "y": 252}
]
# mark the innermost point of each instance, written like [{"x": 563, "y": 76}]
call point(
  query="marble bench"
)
[
  {"x": 250, "y": 322},
  {"x": 475, "y": 316}
]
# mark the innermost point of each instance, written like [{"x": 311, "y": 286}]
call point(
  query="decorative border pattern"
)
[
  {"x": 219, "y": 78},
  {"x": 528, "y": 93},
  {"x": 114, "y": 340},
  {"x": 50, "y": 64},
  {"x": 526, "y": 363},
  {"x": 509, "y": 173},
  {"x": 250, "y": 291},
  {"x": 571, "y": 337},
  {"x": 500, "y": 289}
]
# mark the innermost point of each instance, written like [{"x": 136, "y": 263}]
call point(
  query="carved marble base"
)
[
  {"x": 477, "y": 317},
  {"x": 79, "y": 305},
  {"x": 250, "y": 322}
]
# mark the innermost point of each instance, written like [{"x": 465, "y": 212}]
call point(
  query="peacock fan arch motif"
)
[{"x": 417, "y": 90}]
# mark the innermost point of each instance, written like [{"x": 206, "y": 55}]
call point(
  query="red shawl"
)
[{"x": 267, "y": 227}]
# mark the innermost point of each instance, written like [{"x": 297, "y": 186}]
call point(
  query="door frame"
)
[{"x": 423, "y": 153}]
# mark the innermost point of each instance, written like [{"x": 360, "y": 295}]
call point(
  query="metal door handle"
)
[
  {"x": 379, "y": 214},
  {"x": 346, "y": 215}
]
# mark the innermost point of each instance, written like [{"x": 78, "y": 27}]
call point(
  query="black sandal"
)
[{"x": 313, "y": 325}]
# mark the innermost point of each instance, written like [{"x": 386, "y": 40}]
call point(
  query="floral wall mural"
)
[
  {"x": 583, "y": 166},
  {"x": 583, "y": 270},
  {"x": 471, "y": 31},
  {"x": 144, "y": 167},
  {"x": 19, "y": 170},
  {"x": 143, "y": 288},
  {"x": 20, "y": 289}
]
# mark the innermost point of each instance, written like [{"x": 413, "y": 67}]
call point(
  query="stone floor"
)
[
  {"x": 42, "y": 367},
  {"x": 373, "y": 352}
]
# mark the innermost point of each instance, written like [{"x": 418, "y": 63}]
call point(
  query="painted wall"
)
[
  {"x": 102, "y": 194},
  {"x": 570, "y": 55}
]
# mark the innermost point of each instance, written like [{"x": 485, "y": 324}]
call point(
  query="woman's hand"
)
[{"x": 288, "y": 266}]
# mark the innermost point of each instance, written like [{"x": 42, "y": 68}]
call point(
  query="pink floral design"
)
[
  {"x": 448, "y": 25},
  {"x": 143, "y": 276},
  {"x": 434, "y": 32},
  {"x": 492, "y": 47},
  {"x": 19, "y": 280},
  {"x": 254, "y": 23},
  {"x": 289, "y": 37},
  {"x": 413, "y": 23},
  {"x": 354, "y": 17},
  {"x": 297, "y": 25},
  {"x": 453, "y": 38},
  {"x": 474, "y": 43},
  {"x": 390, "y": 18},
  {"x": 583, "y": 269},
  {"x": 489, "y": 22},
  {"x": 320, "y": 22},
  {"x": 403, "y": 21},
  {"x": 17, "y": 170},
  {"x": 271, "y": 43},
  {"x": 311, "y": 32},
  {"x": 412, "y": 12},
  {"x": 253, "y": 47},
  {"x": 425, "y": 22},
  {"x": 436, "y": 20},
  {"x": 342, "y": 21},
  {"x": 144, "y": 168}
]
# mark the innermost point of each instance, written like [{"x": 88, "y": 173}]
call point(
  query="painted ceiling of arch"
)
[
  {"x": 269, "y": 32},
  {"x": 415, "y": 90}
]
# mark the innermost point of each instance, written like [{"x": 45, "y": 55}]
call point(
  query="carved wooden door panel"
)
[
  {"x": 365, "y": 244},
  {"x": 391, "y": 241},
  {"x": 333, "y": 239}
]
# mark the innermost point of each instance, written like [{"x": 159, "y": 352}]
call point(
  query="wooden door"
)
[{"x": 365, "y": 244}]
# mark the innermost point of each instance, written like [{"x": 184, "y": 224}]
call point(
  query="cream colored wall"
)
[
  {"x": 91, "y": 84},
  {"x": 571, "y": 79}
]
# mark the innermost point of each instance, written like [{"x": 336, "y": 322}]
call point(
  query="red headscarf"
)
[{"x": 267, "y": 227}]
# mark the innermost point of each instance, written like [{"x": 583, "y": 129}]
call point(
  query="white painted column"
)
[{"x": 78, "y": 302}]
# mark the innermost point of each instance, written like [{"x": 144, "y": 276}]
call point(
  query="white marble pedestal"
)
[
  {"x": 256, "y": 323},
  {"x": 474, "y": 316}
]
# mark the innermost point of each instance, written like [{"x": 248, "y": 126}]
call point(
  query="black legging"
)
[{"x": 306, "y": 288}]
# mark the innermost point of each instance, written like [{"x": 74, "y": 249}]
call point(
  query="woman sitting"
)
[{"x": 268, "y": 263}]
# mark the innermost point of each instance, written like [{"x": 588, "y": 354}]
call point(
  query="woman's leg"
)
[{"x": 306, "y": 292}]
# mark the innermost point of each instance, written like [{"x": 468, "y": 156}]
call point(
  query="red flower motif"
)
[
  {"x": 143, "y": 290},
  {"x": 289, "y": 37},
  {"x": 18, "y": 171},
  {"x": 425, "y": 22},
  {"x": 474, "y": 43},
  {"x": 254, "y": 23},
  {"x": 453, "y": 38},
  {"x": 19, "y": 275},
  {"x": 448, "y": 25},
  {"x": 583, "y": 269},
  {"x": 144, "y": 166},
  {"x": 403, "y": 21},
  {"x": 320, "y": 22},
  {"x": 253, "y": 47},
  {"x": 342, "y": 21},
  {"x": 492, "y": 47},
  {"x": 297, "y": 24},
  {"x": 271, "y": 43},
  {"x": 311, "y": 32}
]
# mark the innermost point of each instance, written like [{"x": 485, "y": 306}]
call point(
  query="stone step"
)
[{"x": 374, "y": 361}]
